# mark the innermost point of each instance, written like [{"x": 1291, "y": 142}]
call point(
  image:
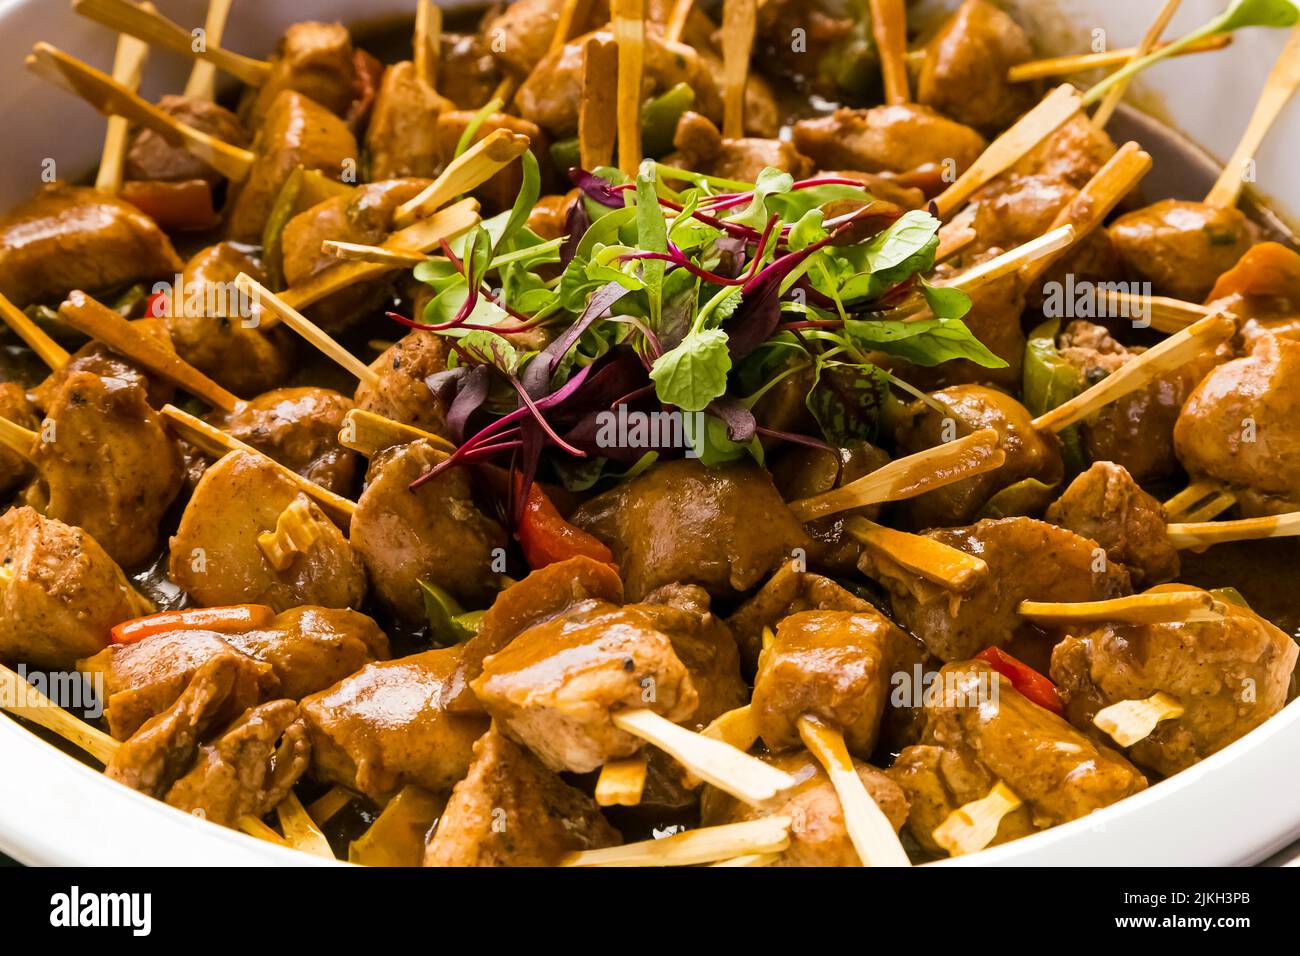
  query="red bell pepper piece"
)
[
  {"x": 1024, "y": 679},
  {"x": 174, "y": 206},
  {"x": 237, "y": 617},
  {"x": 546, "y": 537}
]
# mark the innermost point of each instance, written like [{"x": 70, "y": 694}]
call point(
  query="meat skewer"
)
[
  {"x": 1152, "y": 607},
  {"x": 128, "y": 68},
  {"x": 54, "y": 355},
  {"x": 476, "y": 165},
  {"x": 706, "y": 845}
]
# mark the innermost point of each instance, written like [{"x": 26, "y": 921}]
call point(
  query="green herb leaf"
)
[
  {"x": 447, "y": 619},
  {"x": 771, "y": 181},
  {"x": 925, "y": 342},
  {"x": 695, "y": 372}
]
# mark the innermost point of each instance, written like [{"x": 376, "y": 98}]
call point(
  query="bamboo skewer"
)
[
  {"x": 973, "y": 826},
  {"x": 739, "y": 23},
  {"x": 908, "y": 477},
  {"x": 628, "y": 21},
  {"x": 734, "y": 771},
  {"x": 1165, "y": 314},
  {"x": 737, "y": 728},
  {"x": 621, "y": 782},
  {"x": 1202, "y": 534},
  {"x": 157, "y": 31},
  {"x": 1082, "y": 62},
  {"x": 1108, "y": 105},
  {"x": 676, "y": 25},
  {"x": 1212, "y": 508},
  {"x": 598, "y": 105},
  {"x": 112, "y": 98},
  {"x": 889, "y": 30},
  {"x": 21, "y": 441},
  {"x": 296, "y": 530},
  {"x": 1026, "y": 133},
  {"x": 1129, "y": 721},
  {"x": 358, "y": 252},
  {"x": 707, "y": 845},
  {"x": 327, "y": 806},
  {"x": 927, "y": 558},
  {"x": 870, "y": 831},
  {"x": 427, "y": 43},
  {"x": 1278, "y": 89},
  {"x": 1151, "y": 607},
  {"x": 300, "y": 830},
  {"x": 573, "y": 16},
  {"x": 103, "y": 324},
  {"x": 1015, "y": 260},
  {"x": 128, "y": 69},
  {"x": 368, "y": 434},
  {"x": 24, "y": 700},
  {"x": 750, "y": 859},
  {"x": 202, "y": 84},
  {"x": 49, "y": 351},
  {"x": 256, "y": 828},
  {"x": 1189, "y": 497},
  {"x": 471, "y": 168}
]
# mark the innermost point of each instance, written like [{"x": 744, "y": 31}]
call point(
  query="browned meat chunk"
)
[
  {"x": 556, "y": 685},
  {"x": 60, "y": 593},
  {"x": 1027, "y": 560},
  {"x": 299, "y": 428},
  {"x": 1073, "y": 153},
  {"x": 216, "y": 554},
  {"x": 209, "y": 332},
  {"x": 1182, "y": 247},
  {"x": 467, "y": 70},
  {"x": 887, "y": 139},
  {"x": 511, "y": 811},
  {"x": 434, "y": 533},
  {"x": 401, "y": 393},
  {"x": 684, "y": 523},
  {"x": 400, "y": 138},
  {"x": 152, "y": 157},
  {"x": 314, "y": 59},
  {"x": 1011, "y": 210},
  {"x": 72, "y": 237},
  {"x": 1229, "y": 675},
  {"x": 387, "y": 726},
  {"x": 1030, "y": 452},
  {"x": 524, "y": 30},
  {"x": 1060, "y": 774},
  {"x": 297, "y": 132},
  {"x": 1106, "y": 504},
  {"x": 98, "y": 359},
  {"x": 15, "y": 471},
  {"x": 833, "y": 665},
  {"x": 965, "y": 68},
  {"x": 1238, "y": 427},
  {"x": 108, "y": 464},
  {"x": 819, "y": 837},
  {"x": 701, "y": 148}
]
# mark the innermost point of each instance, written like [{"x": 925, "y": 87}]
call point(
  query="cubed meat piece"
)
[
  {"x": 1182, "y": 247},
  {"x": 387, "y": 726},
  {"x": 73, "y": 237},
  {"x": 297, "y": 132},
  {"x": 467, "y": 70},
  {"x": 1030, "y": 453},
  {"x": 400, "y": 138},
  {"x": 511, "y": 811},
  {"x": 964, "y": 73},
  {"x": 895, "y": 138},
  {"x": 15, "y": 470},
  {"x": 1011, "y": 210},
  {"x": 152, "y": 157},
  {"x": 701, "y": 148},
  {"x": 434, "y": 533},
  {"x": 682, "y": 522},
  {"x": 499, "y": 192},
  {"x": 315, "y": 60},
  {"x": 1238, "y": 427},
  {"x": 818, "y": 836},
  {"x": 550, "y": 217},
  {"x": 832, "y": 44},
  {"x": 556, "y": 686},
  {"x": 526, "y": 29},
  {"x": 109, "y": 465},
  {"x": 98, "y": 359},
  {"x": 833, "y": 665},
  {"x": 1073, "y": 153},
  {"x": 1027, "y": 560},
  {"x": 217, "y": 557},
  {"x": 60, "y": 593},
  {"x": 299, "y": 428},
  {"x": 1106, "y": 504},
  {"x": 210, "y": 334},
  {"x": 402, "y": 392},
  {"x": 1229, "y": 675}
]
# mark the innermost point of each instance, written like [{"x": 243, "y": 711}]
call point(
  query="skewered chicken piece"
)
[
  {"x": 400, "y": 137},
  {"x": 15, "y": 469}
]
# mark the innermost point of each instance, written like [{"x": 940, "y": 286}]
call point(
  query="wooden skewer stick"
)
[
  {"x": 296, "y": 530},
  {"x": 737, "y": 728},
  {"x": 932, "y": 560},
  {"x": 113, "y": 99},
  {"x": 49, "y": 351},
  {"x": 1194, "y": 494},
  {"x": 870, "y": 831},
  {"x": 265, "y": 298},
  {"x": 573, "y": 16},
  {"x": 1129, "y": 721},
  {"x": 156, "y": 30},
  {"x": 598, "y": 106},
  {"x": 422, "y": 236},
  {"x": 1204, "y": 533},
  {"x": 1158, "y": 607},
  {"x": 972, "y": 827},
  {"x": 1107, "y": 106},
  {"x": 1026, "y": 133},
  {"x": 214, "y": 441},
  {"x": 327, "y": 806},
  {"x": 956, "y": 234},
  {"x": 1165, "y": 314},
  {"x": 103, "y": 324},
  {"x": 300, "y": 830},
  {"x": 676, "y": 25},
  {"x": 128, "y": 69},
  {"x": 368, "y": 434},
  {"x": 256, "y": 828},
  {"x": 706, "y": 845},
  {"x": 744, "y": 777},
  {"x": 750, "y": 859},
  {"x": 739, "y": 23},
  {"x": 1278, "y": 89},
  {"x": 911, "y": 476},
  {"x": 1212, "y": 508},
  {"x": 427, "y": 42},
  {"x": 628, "y": 21},
  {"x": 471, "y": 168},
  {"x": 21, "y": 441},
  {"x": 889, "y": 30},
  {"x": 23, "y": 699},
  {"x": 621, "y": 782},
  {"x": 359, "y": 252},
  {"x": 1082, "y": 62},
  {"x": 1159, "y": 360},
  {"x": 202, "y": 84},
  {"x": 1014, "y": 260}
]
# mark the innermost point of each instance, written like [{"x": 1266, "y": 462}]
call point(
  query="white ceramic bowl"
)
[{"x": 1237, "y": 807}]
